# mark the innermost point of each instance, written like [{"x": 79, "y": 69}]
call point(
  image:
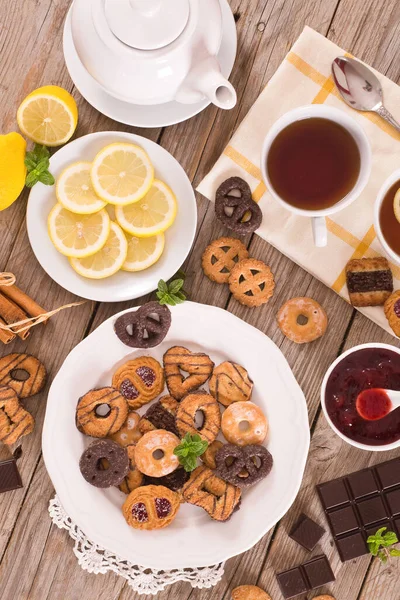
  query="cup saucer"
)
[{"x": 136, "y": 115}]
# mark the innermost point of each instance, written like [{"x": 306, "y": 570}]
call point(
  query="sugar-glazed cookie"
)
[
  {"x": 129, "y": 433},
  {"x": 154, "y": 453},
  {"x": 134, "y": 478},
  {"x": 244, "y": 423},
  {"x": 230, "y": 383},
  {"x": 218, "y": 498},
  {"x": 186, "y": 414},
  {"x": 101, "y": 412},
  {"x": 151, "y": 507},
  {"x": 302, "y": 320},
  {"x": 26, "y": 387},
  {"x": 15, "y": 421},
  {"x": 139, "y": 381},
  {"x": 198, "y": 365},
  {"x": 221, "y": 256}
]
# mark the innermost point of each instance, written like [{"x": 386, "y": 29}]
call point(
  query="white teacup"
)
[
  {"x": 395, "y": 176},
  {"x": 333, "y": 114}
]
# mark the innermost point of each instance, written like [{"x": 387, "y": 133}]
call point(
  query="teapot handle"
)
[{"x": 146, "y": 7}]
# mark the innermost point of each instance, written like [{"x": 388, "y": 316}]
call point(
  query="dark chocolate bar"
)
[
  {"x": 10, "y": 479},
  {"x": 309, "y": 576},
  {"x": 306, "y": 532},
  {"x": 359, "y": 504}
]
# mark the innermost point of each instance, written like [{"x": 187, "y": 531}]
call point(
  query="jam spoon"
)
[
  {"x": 360, "y": 88},
  {"x": 374, "y": 404}
]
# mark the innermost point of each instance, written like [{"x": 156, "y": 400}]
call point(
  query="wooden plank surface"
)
[{"x": 36, "y": 559}]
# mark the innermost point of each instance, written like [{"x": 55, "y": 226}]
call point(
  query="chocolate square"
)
[
  {"x": 362, "y": 483},
  {"x": 352, "y": 546},
  {"x": 393, "y": 500},
  {"x": 306, "y": 532},
  {"x": 389, "y": 473},
  {"x": 397, "y": 527},
  {"x": 10, "y": 479},
  {"x": 372, "y": 510},
  {"x": 292, "y": 583},
  {"x": 343, "y": 520},
  {"x": 319, "y": 572},
  {"x": 333, "y": 493}
]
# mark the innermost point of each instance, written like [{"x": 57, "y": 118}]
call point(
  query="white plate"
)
[
  {"x": 122, "y": 286},
  {"x": 138, "y": 115},
  {"x": 193, "y": 539}
]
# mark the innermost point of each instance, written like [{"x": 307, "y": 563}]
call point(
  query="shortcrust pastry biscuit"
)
[
  {"x": 139, "y": 381},
  {"x": 198, "y": 365},
  {"x": 251, "y": 282},
  {"x": 151, "y": 507},
  {"x": 369, "y": 281},
  {"x": 221, "y": 256},
  {"x": 230, "y": 383},
  {"x": 186, "y": 414},
  {"x": 218, "y": 498},
  {"x": 101, "y": 412}
]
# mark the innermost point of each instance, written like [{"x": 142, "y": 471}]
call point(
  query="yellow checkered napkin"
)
[{"x": 304, "y": 77}]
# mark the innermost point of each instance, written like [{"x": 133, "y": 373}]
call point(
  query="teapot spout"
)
[{"x": 207, "y": 80}]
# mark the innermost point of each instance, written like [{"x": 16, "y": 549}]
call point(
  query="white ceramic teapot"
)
[{"x": 153, "y": 51}]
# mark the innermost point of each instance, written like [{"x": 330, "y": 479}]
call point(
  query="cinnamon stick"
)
[
  {"x": 10, "y": 313},
  {"x": 6, "y": 336},
  {"x": 31, "y": 307}
]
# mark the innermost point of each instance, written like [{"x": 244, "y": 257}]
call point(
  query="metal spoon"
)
[
  {"x": 360, "y": 88},
  {"x": 366, "y": 403}
]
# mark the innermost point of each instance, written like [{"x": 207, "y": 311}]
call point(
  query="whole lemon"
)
[{"x": 12, "y": 168}]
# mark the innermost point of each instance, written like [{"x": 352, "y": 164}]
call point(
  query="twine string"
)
[
  {"x": 21, "y": 326},
  {"x": 7, "y": 279}
]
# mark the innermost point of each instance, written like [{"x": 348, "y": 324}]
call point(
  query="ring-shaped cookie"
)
[
  {"x": 151, "y": 507},
  {"x": 139, "y": 380},
  {"x": 103, "y": 453},
  {"x": 302, "y": 320},
  {"x": 244, "y": 423},
  {"x": 11, "y": 364},
  {"x": 154, "y": 453},
  {"x": 186, "y": 416},
  {"x": 15, "y": 421},
  {"x": 89, "y": 419}
]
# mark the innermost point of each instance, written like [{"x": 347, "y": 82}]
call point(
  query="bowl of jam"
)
[{"x": 361, "y": 417}]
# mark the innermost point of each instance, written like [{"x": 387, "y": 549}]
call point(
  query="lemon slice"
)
[
  {"x": 108, "y": 260},
  {"x": 48, "y": 116},
  {"x": 75, "y": 192},
  {"x": 396, "y": 205},
  {"x": 122, "y": 173},
  {"x": 78, "y": 235},
  {"x": 143, "y": 252},
  {"x": 152, "y": 215}
]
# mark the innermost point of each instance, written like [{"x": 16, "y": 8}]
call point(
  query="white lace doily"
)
[{"x": 94, "y": 559}]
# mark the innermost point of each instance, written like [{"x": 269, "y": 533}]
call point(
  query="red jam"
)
[
  {"x": 163, "y": 507},
  {"x": 363, "y": 370},
  {"x": 128, "y": 390},
  {"x": 373, "y": 404},
  {"x": 139, "y": 512},
  {"x": 147, "y": 375}
]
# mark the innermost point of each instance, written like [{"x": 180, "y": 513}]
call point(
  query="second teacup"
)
[{"x": 315, "y": 161}]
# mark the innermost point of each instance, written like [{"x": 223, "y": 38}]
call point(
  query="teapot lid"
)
[{"x": 147, "y": 24}]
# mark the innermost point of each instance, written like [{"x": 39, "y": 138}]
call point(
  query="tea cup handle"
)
[{"x": 320, "y": 231}]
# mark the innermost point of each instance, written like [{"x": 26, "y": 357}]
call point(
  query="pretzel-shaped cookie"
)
[
  {"x": 237, "y": 212},
  {"x": 239, "y": 465},
  {"x": 251, "y": 282},
  {"x": 146, "y": 330},
  {"x": 218, "y": 498},
  {"x": 15, "y": 421},
  {"x": 151, "y": 507},
  {"x": 221, "y": 256}
]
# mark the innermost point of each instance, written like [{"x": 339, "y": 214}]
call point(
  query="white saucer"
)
[
  {"x": 123, "y": 285},
  {"x": 139, "y": 115}
]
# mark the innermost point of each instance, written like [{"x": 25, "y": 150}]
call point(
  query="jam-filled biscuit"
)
[
  {"x": 160, "y": 415},
  {"x": 151, "y": 507},
  {"x": 244, "y": 423},
  {"x": 15, "y": 421},
  {"x": 218, "y": 498},
  {"x": 92, "y": 420},
  {"x": 139, "y": 381},
  {"x": 249, "y": 592},
  {"x": 251, "y": 282},
  {"x": 154, "y": 453},
  {"x": 302, "y": 320},
  {"x": 208, "y": 457},
  {"x": 104, "y": 464},
  {"x": 186, "y": 414},
  {"x": 230, "y": 382},
  {"x": 134, "y": 478},
  {"x": 197, "y": 364},
  {"x": 392, "y": 312},
  {"x": 221, "y": 256},
  {"x": 369, "y": 281},
  {"x": 10, "y": 366},
  {"x": 129, "y": 433}
]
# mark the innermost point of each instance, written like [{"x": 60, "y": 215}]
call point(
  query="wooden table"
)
[{"x": 36, "y": 559}]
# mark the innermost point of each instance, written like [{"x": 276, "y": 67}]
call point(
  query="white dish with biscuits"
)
[{"x": 193, "y": 539}]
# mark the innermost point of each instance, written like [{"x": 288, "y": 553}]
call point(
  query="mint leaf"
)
[
  {"x": 31, "y": 179},
  {"x": 162, "y": 287},
  {"x": 175, "y": 286},
  {"x": 29, "y": 163},
  {"x": 171, "y": 293},
  {"x": 46, "y": 178},
  {"x": 37, "y": 162},
  {"x": 394, "y": 552},
  {"x": 41, "y": 152},
  {"x": 382, "y": 556},
  {"x": 390, "y": 538},
  {"x": 190, "y": 448},
  {"x": 43, "y": 165}
]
